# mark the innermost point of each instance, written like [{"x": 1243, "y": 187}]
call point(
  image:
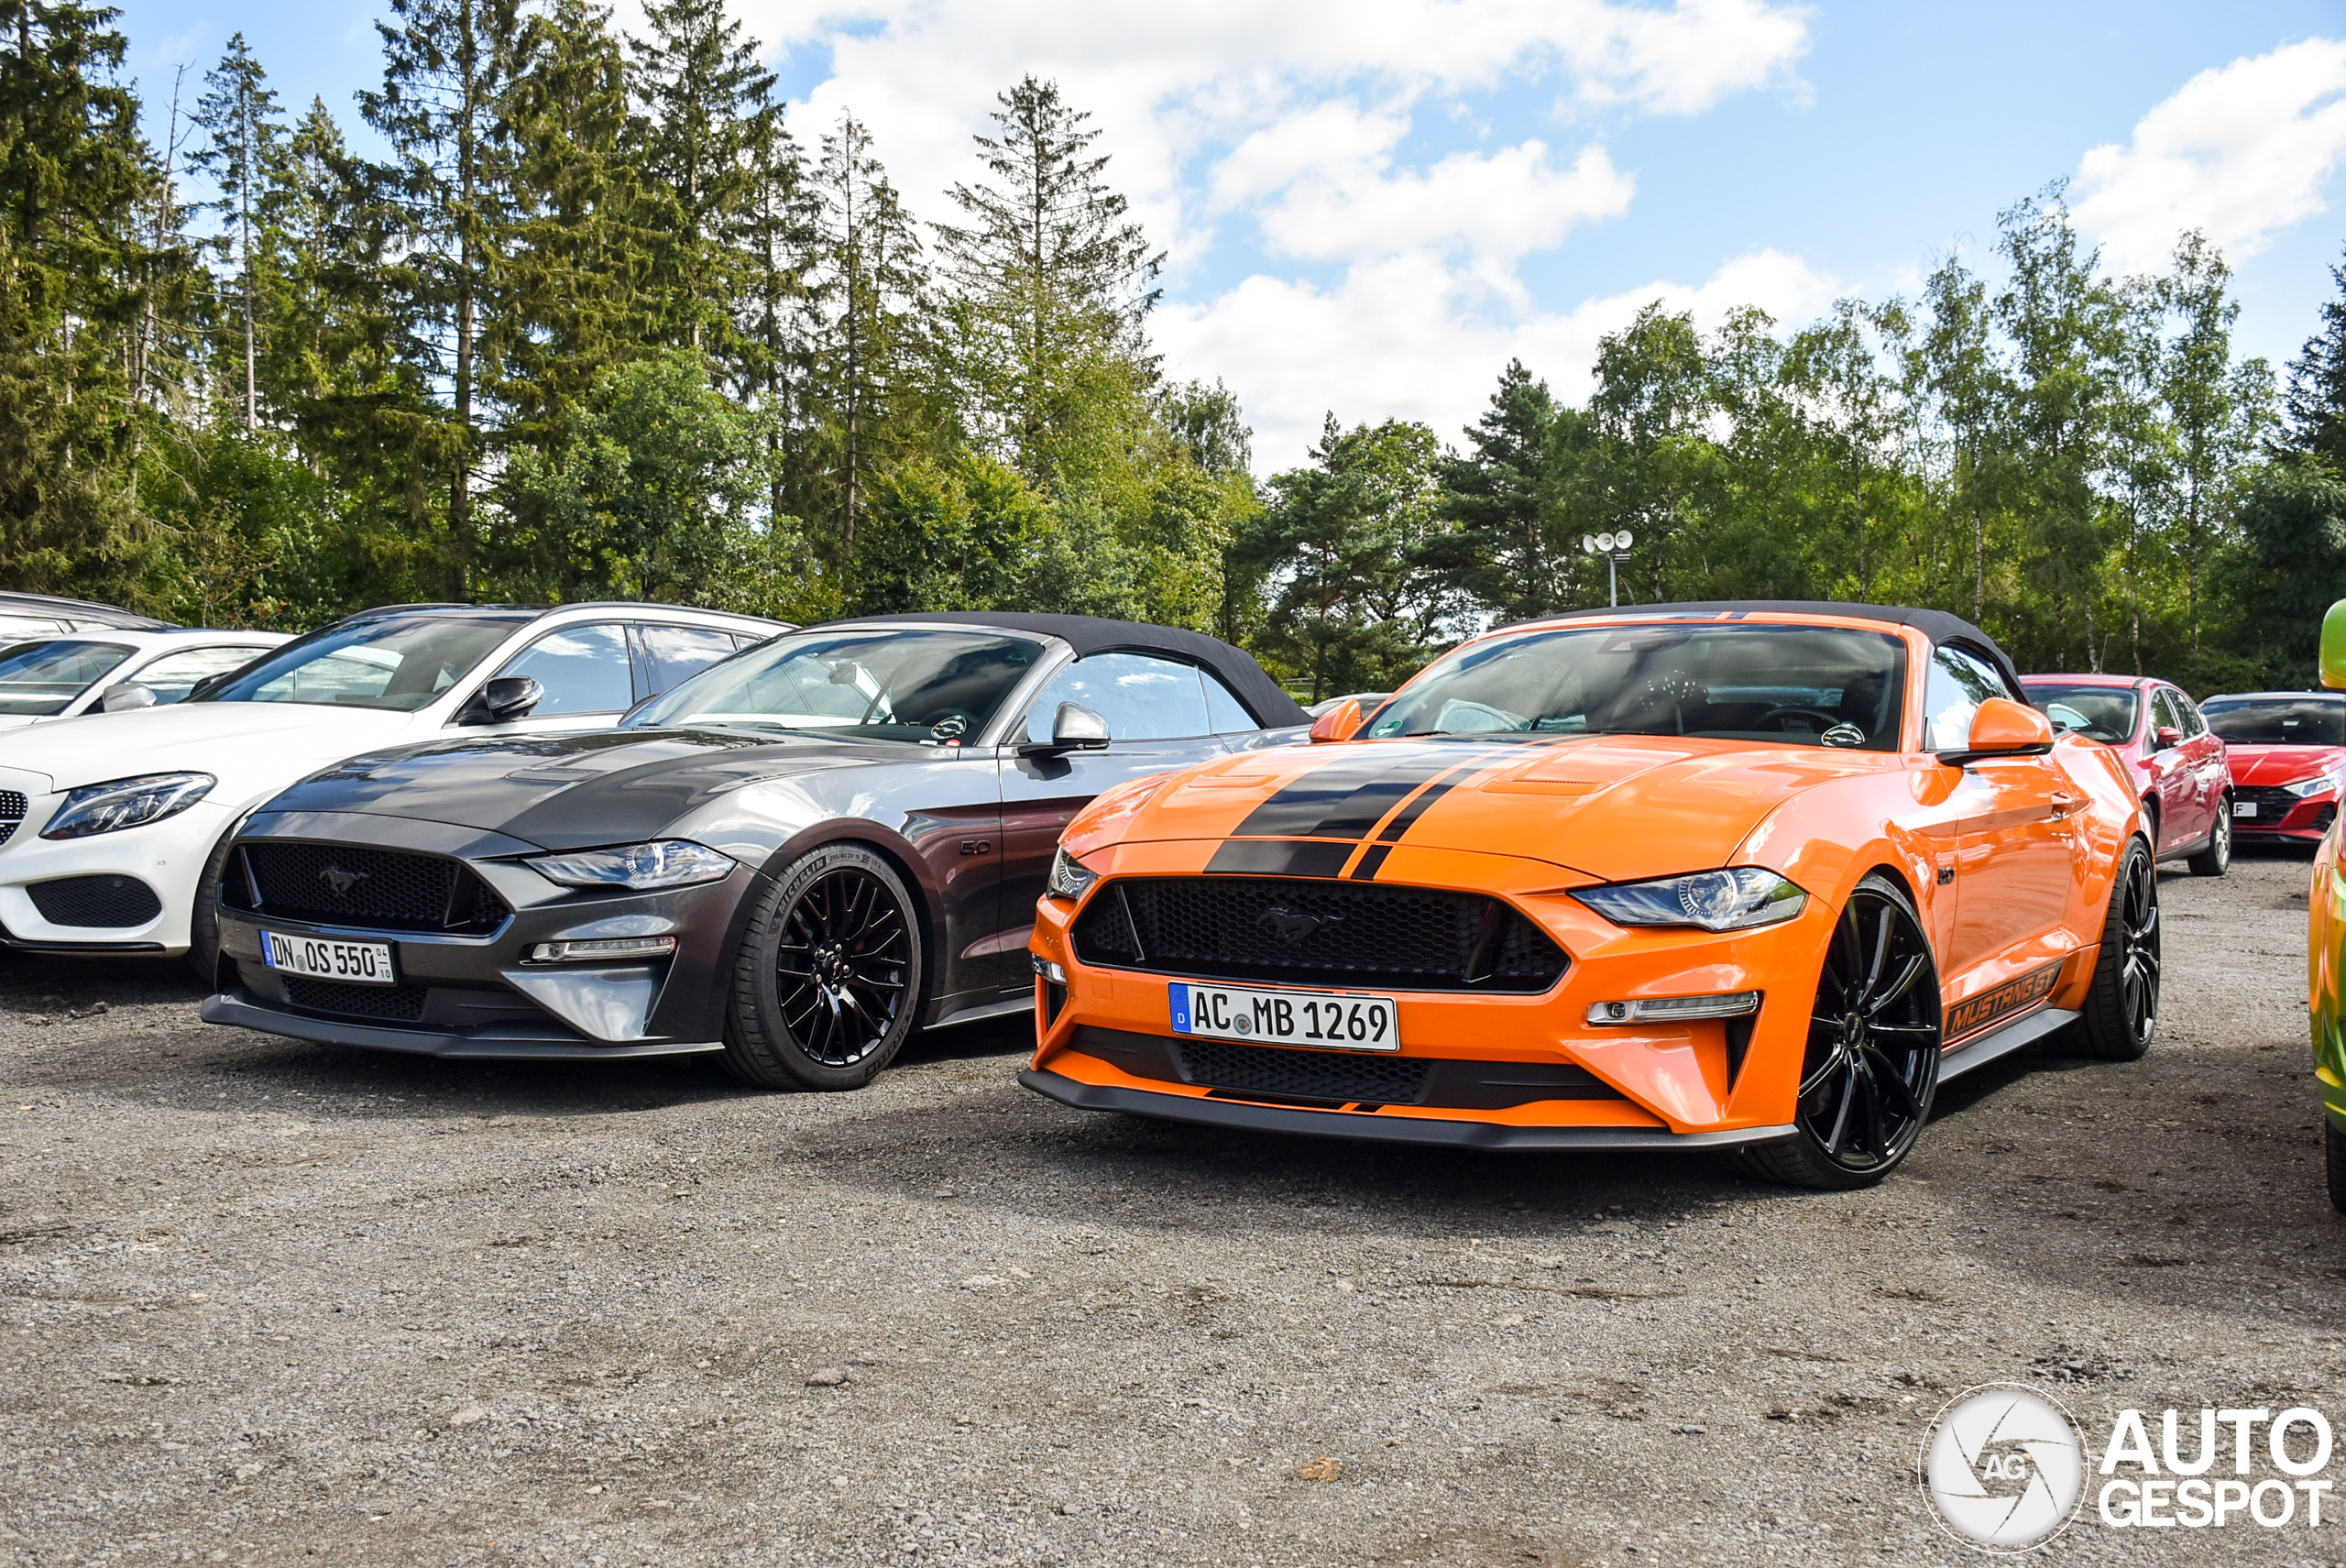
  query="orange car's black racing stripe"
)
[
  {"x": 1345, "y": 800},
  {"x": 1373, "y": 858},
  {"x": 1280, "y": 857}
]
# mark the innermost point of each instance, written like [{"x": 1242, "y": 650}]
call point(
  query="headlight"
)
[
  {"x": 2320, "y": 783},
  {"x": 1069, "y": 876},
  {"x": 666, "y": 862},
  {"x": 1716, "y": 901},
  {"x": 126, "y": 803}
]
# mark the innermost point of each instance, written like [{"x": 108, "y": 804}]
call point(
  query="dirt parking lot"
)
[{"x": 272, "y": 1304}]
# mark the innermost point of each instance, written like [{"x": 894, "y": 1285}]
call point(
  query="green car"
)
[{"x": 2326, "y": 947}]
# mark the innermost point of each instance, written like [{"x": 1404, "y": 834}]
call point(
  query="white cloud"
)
[
  {"x": 2243, "y": 152},
  {"x": 1403, "y": 337}
]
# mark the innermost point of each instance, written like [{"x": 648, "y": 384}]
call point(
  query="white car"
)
[
  {"x": 110, "y": 822},
  {"x": 24, "y": 617},
  {"x": 112, "y": 672}
]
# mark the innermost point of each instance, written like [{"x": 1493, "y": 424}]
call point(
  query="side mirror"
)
[
  {"x": 501, "y": 700},
  {"x": 2003, "y": 727},
  {"x": 125, "y": 696},
  {"x": 1074, "y": 728},
  {"x": 1340, "y": 722},
  {"x": 2333, "y": 647},
  {"x": 2165, "y": 736}
]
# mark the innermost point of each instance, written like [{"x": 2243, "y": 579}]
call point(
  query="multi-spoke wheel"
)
[
  {"x": 827, "y": 983},
  {"x": 2122, "y": 1009},
  {"x": 2217, "y": 857},
  {"x": 1872, "y": 1062}
]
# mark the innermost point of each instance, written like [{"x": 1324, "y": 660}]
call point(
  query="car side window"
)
[
  {"x": 673, "y": 652},
  {"x": 584, "y": 669},
  {"x": 1224, "y": 713},
  {"x": 2163, "y": 715},
  {"x": 1142, "y": 699},
  {"x": 1958, "y": 683},
  {"x": 173, "y": 675},
  {"x": 2194, "y": 724}
]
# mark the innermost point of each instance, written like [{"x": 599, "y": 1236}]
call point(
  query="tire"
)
[
  {"x": 1872, "y": 1063},
  {"x": 2333, "y": 1157},
  {"x": 204, "y": 920},
  {"x": 2122, "y": 1009},
  {"x": 827, "y": 986},
  {"x": 2216, "y": 857}
]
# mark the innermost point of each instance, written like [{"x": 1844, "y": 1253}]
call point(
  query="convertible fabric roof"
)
[
  {"x": 1935, "y": 624},
  {"x": 1271, "y": 707}
]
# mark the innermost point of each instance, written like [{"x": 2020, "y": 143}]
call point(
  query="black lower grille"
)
[
  {"x": 350, "y": 884},
  {"x": 397, "y": 1003},
  {"x": 2272, "y": 804},
  {"x": 95, "y": 901},
  {"x": 1302, "y": 1075},
  {"x": 1310, "y": 931}
]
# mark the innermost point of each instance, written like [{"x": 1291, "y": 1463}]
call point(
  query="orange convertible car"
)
[{"x": 1751, "y": 877}]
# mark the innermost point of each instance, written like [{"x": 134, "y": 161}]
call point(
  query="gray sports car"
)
[{"x": 796, "y": 858}]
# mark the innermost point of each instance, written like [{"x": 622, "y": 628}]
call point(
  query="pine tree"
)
[
  {"x": 447, "y": 68},
  {"x": 1048, "y": 271},
  {"x": 75, "y": 181},
  {"x": 699, "y": 82},
  {"x": 1498, "y": 551},
  {"x": 776, "y": 234},
  {"x": 863, "y": 281},
  {"x": 238, "y": 114},
  {"x": 573, "y": 301},
  {"x": 2317, "y": 397}
]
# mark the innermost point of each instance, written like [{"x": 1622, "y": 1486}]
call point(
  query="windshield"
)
[
  {"x": 401, "y": 663},
  {"x": 39, "y": 680},
  {"x": 2278, "y": 721},
  {"x": 936, "y": 687},
  {"x": 2099, "y": 713},
  {"x": 1793, "y": 685}
]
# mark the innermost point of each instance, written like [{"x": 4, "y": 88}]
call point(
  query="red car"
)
[
  {"x": 2175, "y": 754},
  {"x": 2288, "y": 750}
]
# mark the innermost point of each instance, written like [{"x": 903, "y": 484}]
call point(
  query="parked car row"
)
[{"x": 1754, "y": 877}]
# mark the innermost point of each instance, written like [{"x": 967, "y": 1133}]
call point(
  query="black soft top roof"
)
[
  {"x": 1935, "y": 624},
  {"x": 1271, "y": 707}
]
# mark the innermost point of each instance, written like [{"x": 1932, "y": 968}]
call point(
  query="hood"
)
[
  {"x": 564, "y": 792},
  {"x": 2280, "y": 764},
  {"x": 224, "y": 738},
  {"x": 1614, "y": 807}
]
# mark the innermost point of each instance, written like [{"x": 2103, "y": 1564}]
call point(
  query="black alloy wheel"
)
[
  {"x": 827, "y": 983},
  {"x": 1872, "y": 1062},
  {"x": 2122, "y": 1009}
]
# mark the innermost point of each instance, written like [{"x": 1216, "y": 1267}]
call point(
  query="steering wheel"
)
[{"x": 1829, "y": 719}]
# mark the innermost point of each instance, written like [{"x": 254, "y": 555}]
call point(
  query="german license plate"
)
[
  {"x": 2243, "y": 809},
  {"x": 1327, "y": 1020},
  {"x": 357, "y": 963}
]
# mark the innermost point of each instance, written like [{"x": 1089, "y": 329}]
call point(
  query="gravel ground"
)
[{"x": 268, "y": 1302}]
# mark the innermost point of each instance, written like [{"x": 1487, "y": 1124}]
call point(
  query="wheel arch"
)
[{"x": 864, "y": 834}]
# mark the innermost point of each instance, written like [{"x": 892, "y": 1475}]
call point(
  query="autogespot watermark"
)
[{"x": 2005, "y": 1468}]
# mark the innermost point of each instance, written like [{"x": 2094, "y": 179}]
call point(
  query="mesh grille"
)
[
  {"x": 12, "y": 806},
  {"x": 2272, "y": 804},
  {"x": 95, "y": 901},
  {"x": 352, "y": 886},
  {"x": 400, "y": 1003},
  {"x": 1301, "y": 1074},
  {"x": 1314, "y": 932}
]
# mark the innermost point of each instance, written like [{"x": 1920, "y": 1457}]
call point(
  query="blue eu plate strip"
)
[{"x": 1180, "y": 996}]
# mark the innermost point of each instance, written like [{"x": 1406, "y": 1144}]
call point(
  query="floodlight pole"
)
[{"x": 1613, "y": 579}]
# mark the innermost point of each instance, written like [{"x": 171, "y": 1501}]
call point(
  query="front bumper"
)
[
  {"x": 467, "y": 995},
  {"x": 2302, "y": 822},
  {"x": 1310, "y": 1123},
  {"x": 133, "y": 872},
  {"x": 1519, "y": 1067}
]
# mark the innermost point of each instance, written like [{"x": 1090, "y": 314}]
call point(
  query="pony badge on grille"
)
[
  {"x": 340, "y": 881},
  {"x": 1289, "y": 927}
]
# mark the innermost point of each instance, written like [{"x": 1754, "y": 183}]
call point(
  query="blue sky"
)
[{"x": 1370, "y": 205}]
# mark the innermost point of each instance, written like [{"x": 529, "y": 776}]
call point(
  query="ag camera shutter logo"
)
[{"x": 2003, "y": 1468}]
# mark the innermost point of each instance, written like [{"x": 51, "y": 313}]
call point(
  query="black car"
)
[{"x": 795, "y": 857}]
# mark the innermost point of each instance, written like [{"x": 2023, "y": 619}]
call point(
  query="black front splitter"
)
[
  {"x": 239, "y": 1009},
  {"x": 1260, "y": 1118}
]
